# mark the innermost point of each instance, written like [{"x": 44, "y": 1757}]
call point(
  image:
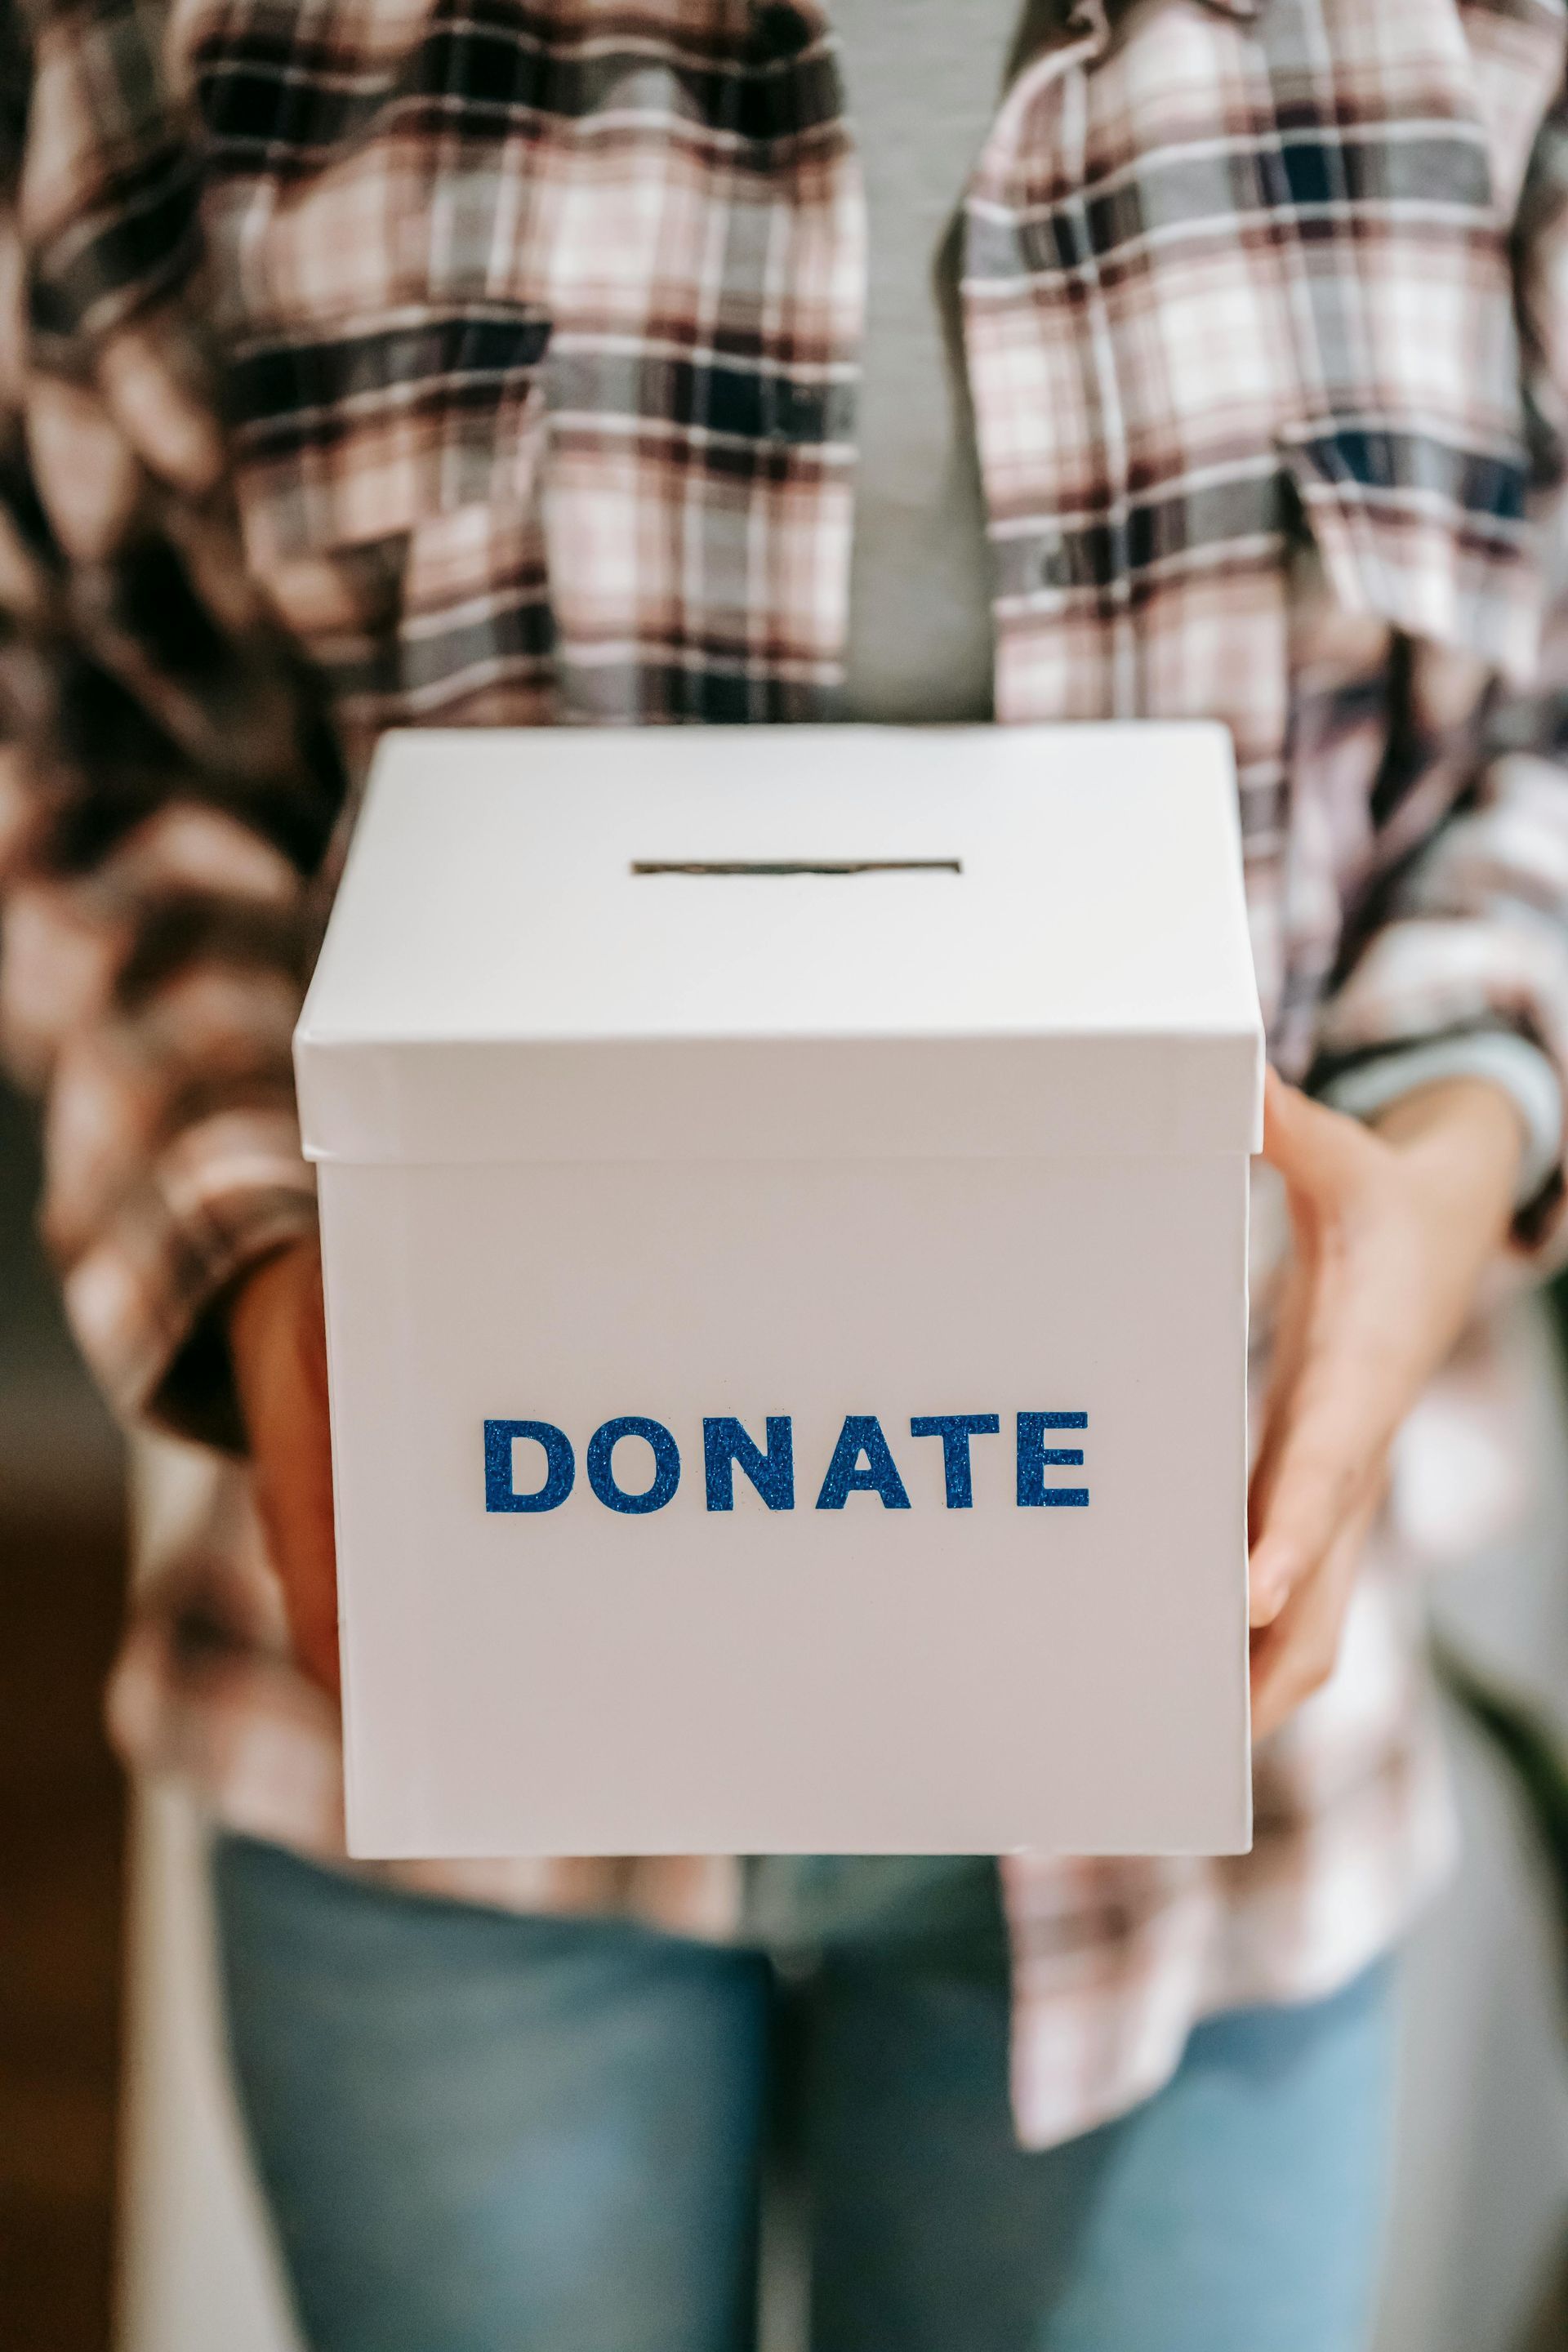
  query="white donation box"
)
[{"x": 783, "y": 1203}]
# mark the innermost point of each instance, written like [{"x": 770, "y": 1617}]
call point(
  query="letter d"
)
[{"x": 560, "y": 1467}]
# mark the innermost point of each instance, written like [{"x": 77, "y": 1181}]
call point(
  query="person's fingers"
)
[
  {"x": 294, "y": 1497},
  {"x": 1330, "y": 1431},
  {"x": 1317, "y": 1150},
  {"x": 1340, "y": 1383},
  {"x": 1339, "y": 1432},
  {"x": 316, "y": 1645},
  {"x": 1295, "y": 1655},
  {"x": 1390, "y": 1239},
  {"x": 1287, "y": 1356},
  {"x": 1293, "y": 1147},
  {"x": 310, "y": 1583},
  {"x": 279, "y": 1334},
  {"x": 310, "y": 1606}
]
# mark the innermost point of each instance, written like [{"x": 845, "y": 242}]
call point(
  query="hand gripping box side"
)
[{"x": 783, "y": 1200}]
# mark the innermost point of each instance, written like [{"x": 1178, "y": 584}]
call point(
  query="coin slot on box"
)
[{"x": 797, "y": 866}]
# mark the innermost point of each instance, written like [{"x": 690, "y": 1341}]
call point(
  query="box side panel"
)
[{"x": 863, "y": 1678}]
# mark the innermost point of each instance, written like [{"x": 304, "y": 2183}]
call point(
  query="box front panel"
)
[{"x": 842, "y": 1582}]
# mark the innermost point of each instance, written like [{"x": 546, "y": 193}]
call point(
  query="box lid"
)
[{"x": 787, "y": 942}]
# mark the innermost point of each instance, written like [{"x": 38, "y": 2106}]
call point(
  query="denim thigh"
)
[
  {"x": 1239, "y": 2210},
  {"x": 482, "y": 2133},
  {"x": 479, "y": 2131}
]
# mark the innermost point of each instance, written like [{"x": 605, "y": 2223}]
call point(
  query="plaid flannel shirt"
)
[{"x": 391, "y": 362}]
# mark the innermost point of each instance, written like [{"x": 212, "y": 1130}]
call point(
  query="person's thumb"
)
[{"x": 1313, "y": 1149}]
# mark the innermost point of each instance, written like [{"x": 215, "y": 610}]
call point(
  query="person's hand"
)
[
  {"x": 1392, "y": 1228},
  {"x": 279, "y": 1343}
]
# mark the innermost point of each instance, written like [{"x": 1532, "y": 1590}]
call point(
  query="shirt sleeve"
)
[
  {"x": 1470, "y": 938},
  {"x": 1519, "y": 1069},
  {"x": 168, "y": 779}
]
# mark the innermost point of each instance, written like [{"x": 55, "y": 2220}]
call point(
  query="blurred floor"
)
[{"x": 62, "y": 1574}]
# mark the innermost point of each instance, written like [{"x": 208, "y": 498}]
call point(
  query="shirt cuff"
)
[{"x": 1524, "y": 1073}]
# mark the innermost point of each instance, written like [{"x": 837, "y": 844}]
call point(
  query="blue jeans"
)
[{"x": 482, "y": 2133}]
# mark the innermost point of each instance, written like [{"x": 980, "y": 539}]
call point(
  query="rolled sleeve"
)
[
  {"x": 1519, "y": 1069},
  {"x": 145, "y": 1295}
]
